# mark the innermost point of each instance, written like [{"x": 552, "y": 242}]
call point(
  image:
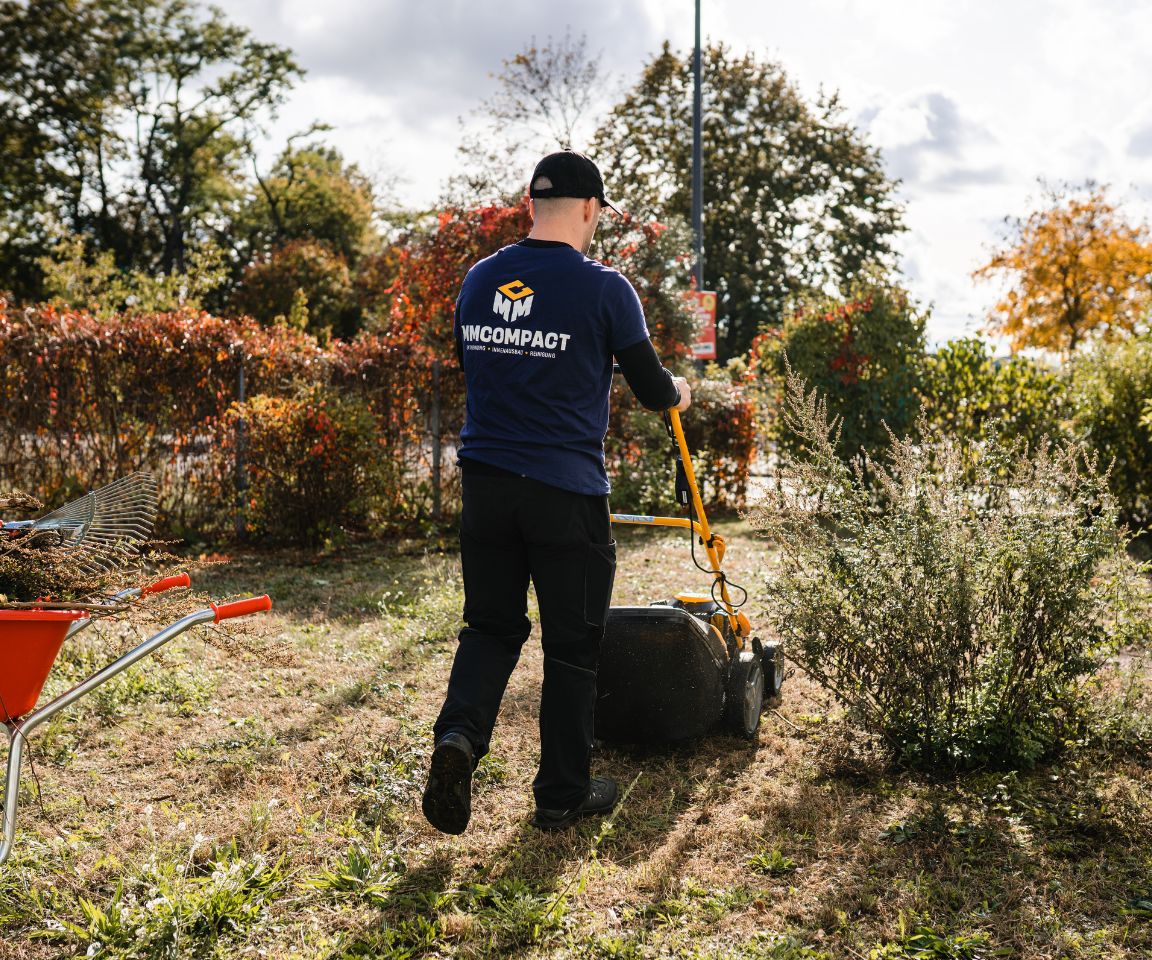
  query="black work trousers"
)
[{"x": 514, "y": 529}]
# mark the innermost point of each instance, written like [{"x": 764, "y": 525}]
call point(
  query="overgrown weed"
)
[
  {"x": 954, "y": 608},
  {"x": 175, "y": 907}
]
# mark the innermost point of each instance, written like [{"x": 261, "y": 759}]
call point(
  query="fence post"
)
[
  {"x": 241, "y": 438},
  {"x": 436, "y": 439}
]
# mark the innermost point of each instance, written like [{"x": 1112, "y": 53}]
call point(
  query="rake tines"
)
[{"x": 106, "y": 525}]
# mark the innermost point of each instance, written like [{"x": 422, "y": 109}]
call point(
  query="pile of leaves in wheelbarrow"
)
[
  {"x": 39, "y": 568},
  {"x": 42, "y": 569},
  {"x": 35, "y": 567}
]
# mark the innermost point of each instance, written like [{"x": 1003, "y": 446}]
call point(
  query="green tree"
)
[
  {"x": 198, "y": 89},
  {"x": 61, "y": 95},
  {"x": 308, "y": 222},
  {"x": 128, "y": 119},
  {"x": 310, "y": 193},
  {"x": 794, "y": 200}
]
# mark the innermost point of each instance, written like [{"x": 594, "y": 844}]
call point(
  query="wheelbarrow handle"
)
[
  {"x": 167, "y": 583},
  {"x": 19, "y": 730},
  {"x": 241, "y": 608},
  {"x": 149, "y": 646}
]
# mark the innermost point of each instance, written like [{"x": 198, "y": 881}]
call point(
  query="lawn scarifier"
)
[
  {"x": 682, "y": 668},
  {"x": 30, "y": 641}
]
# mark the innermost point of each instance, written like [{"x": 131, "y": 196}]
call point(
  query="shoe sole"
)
[{"x": 448, "y": 796}]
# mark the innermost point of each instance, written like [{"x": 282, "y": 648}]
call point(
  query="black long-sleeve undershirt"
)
[{"x": 646, "y": 376}]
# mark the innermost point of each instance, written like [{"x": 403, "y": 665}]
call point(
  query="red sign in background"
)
[{"x": 703, "y": 304}]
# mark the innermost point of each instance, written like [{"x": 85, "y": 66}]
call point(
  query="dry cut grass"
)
[{"x": 261, "y": 797}]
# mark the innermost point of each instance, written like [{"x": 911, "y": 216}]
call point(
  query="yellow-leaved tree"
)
[{"x": 1077, "y": 270}]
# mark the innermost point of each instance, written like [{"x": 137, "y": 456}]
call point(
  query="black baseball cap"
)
[{"x": 570, "y": 174}]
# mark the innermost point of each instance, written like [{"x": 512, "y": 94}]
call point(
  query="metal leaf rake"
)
[{"x": 105, "y": 527}]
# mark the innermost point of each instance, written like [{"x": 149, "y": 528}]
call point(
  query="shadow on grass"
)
[
  {"x": 673, "y": 790},
  {"x": 515, "y": 900},
  {"x": 973, "y": 854},
  {"x": 967, "y": 857}
]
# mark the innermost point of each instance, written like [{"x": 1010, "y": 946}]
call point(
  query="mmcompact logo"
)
[{"x": 513, "y": 300}]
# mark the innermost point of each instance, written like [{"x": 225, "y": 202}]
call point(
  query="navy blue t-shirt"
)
[{"x": 537, "y": 325}]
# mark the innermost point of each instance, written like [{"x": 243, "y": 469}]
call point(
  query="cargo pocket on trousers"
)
[{"x": 599, "y": 575}]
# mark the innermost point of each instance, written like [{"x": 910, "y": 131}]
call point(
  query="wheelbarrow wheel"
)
[{"x": 744, "y": 700}]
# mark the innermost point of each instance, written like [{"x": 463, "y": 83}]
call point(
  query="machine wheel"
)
[
  {"x": 773, "y": 660},
  {"x": 744, "y": 698}
]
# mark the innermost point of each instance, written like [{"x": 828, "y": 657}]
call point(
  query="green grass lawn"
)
[{"x": 255, "y": 792}]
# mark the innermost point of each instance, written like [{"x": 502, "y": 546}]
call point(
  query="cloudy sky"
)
[{"x": 970, "y": 102}]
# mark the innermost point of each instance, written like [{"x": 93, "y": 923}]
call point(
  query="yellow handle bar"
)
[{"x": 713, "y": 545}]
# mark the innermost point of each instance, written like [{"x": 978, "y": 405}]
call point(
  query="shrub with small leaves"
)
[
  {"x": 316, "y": 463},
  {"x": 974, "y": 397},
  {"x": 1110, "y": 390},
  {"x": 958, "y": 619}
]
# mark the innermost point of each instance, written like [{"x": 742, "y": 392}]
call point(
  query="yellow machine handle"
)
[
  {"x": 713, "y": 543},
  {"x": 715, "y": 556}
]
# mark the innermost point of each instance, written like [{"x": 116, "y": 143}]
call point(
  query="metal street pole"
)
[{"x": 697, "y": 162}]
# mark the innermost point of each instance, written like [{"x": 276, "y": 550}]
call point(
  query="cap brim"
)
[{"x": 611, "y": 206}]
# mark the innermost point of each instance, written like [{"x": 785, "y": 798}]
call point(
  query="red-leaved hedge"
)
[{"x": 84, "y": 400}]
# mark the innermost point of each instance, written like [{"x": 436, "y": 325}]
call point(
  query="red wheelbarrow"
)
[{"x": 30, "y": 641}]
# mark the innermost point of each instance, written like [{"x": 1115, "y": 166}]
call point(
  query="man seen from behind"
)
[{"x": 537, "y": 326}]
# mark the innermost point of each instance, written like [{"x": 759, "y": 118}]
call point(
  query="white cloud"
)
[
  {"x": 929, "y": 144},
  {"x": 1140, "y": 141}
]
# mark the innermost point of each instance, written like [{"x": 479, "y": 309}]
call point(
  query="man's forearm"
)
[{"x": 646, "y": 377}]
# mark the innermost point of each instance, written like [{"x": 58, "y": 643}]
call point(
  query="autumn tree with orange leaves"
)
[{"x": 1078, "y": 270}]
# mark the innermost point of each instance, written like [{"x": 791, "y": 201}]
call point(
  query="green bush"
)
[
  {"x": 315, "y": 463},
  {"x": 863, "y": 354},
  {"x": 958, "y": 620},
  {"x": 969, "y": 395},
  {"x": 1110, "y": 388},
  {"x": 77, "y": 276},
  {"x": 303, "y": 282}
]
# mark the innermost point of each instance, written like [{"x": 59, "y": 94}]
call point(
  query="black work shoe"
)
[
  {"x": 448, "y": 795},
  {"x": 601, "y": 798}
]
